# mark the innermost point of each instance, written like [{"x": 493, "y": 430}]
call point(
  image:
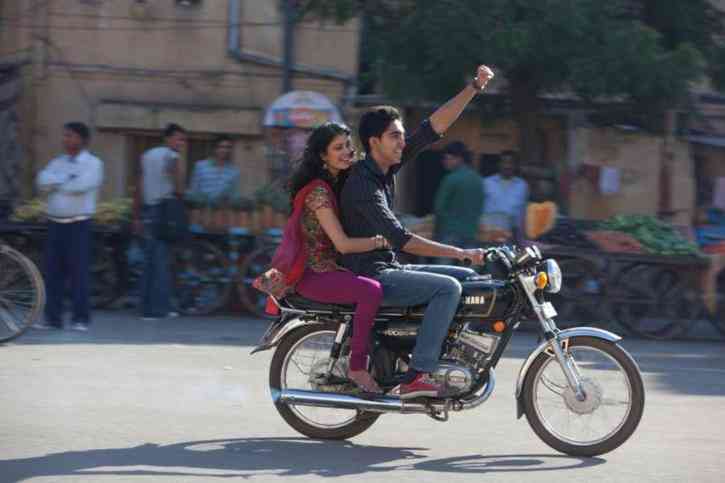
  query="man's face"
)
[
  {"x": 451, "y": 162},
  {"x": 176, "y": 141},
  {"x": 223, "y": 151},
  {"x": 507, "y": 167},
  {"x": 388, "y": 148},
  {"x": 72, "y": 142}
]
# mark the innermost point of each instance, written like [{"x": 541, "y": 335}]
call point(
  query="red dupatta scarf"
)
[{"x": 290, "y": 258}]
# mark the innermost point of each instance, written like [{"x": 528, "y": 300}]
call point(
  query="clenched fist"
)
[{"x": 483, "y": 75}]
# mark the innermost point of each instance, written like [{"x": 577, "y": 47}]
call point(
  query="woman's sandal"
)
[{"x": 364, "y": 381}]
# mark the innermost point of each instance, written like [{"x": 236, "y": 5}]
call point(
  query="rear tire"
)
[{"x": 362, "y": 421}]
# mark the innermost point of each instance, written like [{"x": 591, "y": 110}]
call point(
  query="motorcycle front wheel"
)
[
  {"x": 613, "y": 398},
  {"x": 301, "y": 357}
]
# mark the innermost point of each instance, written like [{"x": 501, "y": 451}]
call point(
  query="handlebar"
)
[{"x": 507, "y": 255}]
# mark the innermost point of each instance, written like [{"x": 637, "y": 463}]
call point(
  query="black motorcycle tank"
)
[{"x": 486, "y": 298}]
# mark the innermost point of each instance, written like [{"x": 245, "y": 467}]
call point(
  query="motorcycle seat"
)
[{"x": 296, "y": 301}]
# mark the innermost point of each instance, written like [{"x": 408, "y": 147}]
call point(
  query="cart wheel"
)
[
  {"x": 201, "y": 277},
  {"x": 106, "y": 279},
  {"x": 255, "y": 264},
  {"x": 718, "y": 318},
  {"x": 653, "y": 302}
]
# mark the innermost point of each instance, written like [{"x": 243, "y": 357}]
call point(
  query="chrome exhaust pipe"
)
[
  {"x": 466, "y": 404},
  {"x": 380, "y": 404}
]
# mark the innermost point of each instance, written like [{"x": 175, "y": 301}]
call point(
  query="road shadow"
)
[
  {"x": 125, "y": 328},
  {"x": 278, "y": 456}
]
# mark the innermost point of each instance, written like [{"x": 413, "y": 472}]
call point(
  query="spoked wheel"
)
[
  {"x": 202, "y": 280},
  {"x": 608, "y": 414},
  {"x": 255, "y": 264},
  {"x": 22, "y": 293},
  {"x": 298, "y": 363}
]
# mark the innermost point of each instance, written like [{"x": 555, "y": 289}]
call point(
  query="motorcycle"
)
[{"x": 581, "y": 392}]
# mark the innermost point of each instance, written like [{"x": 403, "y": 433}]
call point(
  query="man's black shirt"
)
[{"x": 366, "y": 206}]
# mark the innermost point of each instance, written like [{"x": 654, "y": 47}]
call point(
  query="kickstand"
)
[{"x": 442, "y": 414}]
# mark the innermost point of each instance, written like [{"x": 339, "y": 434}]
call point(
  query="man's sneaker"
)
[
  {"x": 79, "y": 326},
  {"x": 421, "y": 386},
  {"x": 47, "y": 326}
]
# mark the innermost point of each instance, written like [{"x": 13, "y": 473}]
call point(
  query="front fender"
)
[
  {"x": 278, "y": 330},
  {"x": 563, "y": 335}
]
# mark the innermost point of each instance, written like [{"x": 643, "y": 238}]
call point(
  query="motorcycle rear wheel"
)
[
  {"x": 302, "y": 419},
  {"x": 613, "y": 391}
]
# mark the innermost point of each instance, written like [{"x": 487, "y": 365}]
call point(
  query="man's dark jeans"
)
[
  {"x": 156, "y": 278},
  {"x": 67, "y": 257}
]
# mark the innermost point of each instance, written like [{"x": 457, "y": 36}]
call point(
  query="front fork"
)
[
  {"x": 568, "y": 366},
  {"x": 551, "y": 333}
]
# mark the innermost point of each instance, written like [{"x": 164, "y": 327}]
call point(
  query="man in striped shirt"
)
[
  {"x": 217, "y": 176},
  {"x": 367, "y": 209}
]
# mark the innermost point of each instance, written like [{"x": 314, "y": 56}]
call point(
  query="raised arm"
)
[{"x": 449, "y": 112}]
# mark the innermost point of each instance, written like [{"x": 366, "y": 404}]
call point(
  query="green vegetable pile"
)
[{"x": 656, "y": 236}]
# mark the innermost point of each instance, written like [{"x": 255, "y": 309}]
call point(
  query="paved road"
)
[{"x": 181, "y": 400}]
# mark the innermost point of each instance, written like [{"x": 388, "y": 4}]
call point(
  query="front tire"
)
[
  {"x": 613, "y": 387},
  {"x": 358, "y": 421}
]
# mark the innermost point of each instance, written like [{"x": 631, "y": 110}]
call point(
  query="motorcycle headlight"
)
[{"x": 553, "y": 272}]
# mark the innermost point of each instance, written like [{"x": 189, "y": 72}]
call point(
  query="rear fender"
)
[
  {"x": 278, "y": 329},
  {"x": 563, "y": 335}
]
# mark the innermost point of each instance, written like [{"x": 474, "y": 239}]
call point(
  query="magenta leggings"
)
[{"x": 342, "y": 287}]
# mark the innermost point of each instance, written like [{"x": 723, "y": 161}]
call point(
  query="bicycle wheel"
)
[
  {"x": 201, "y": 277},
  {"x": 22, "y": 293},
  {"x": 253, "y": 266}
]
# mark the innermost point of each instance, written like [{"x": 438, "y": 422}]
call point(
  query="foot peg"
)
[{"x": 441, "y": 414}]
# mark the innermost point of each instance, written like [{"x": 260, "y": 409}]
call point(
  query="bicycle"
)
[{"x": 22, "y": 293}]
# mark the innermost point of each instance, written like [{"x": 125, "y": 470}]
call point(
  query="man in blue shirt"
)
[
  {"x": 217, "y": 176},
  {"x": 505, "y": 196}
]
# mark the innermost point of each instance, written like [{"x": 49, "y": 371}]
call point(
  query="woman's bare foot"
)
[{"x": 364, "y": 381}]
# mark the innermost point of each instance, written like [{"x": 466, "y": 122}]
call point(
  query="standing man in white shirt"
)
[
  {"x": 160, "y": 178},
  {"x": 71, "y": 181},
  {"x": 506, "y": 196}
]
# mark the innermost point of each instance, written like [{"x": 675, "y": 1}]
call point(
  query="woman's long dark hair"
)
[{"x": 311, "y": 166}]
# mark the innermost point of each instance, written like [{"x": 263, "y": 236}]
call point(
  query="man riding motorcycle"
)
[{"x": 366, "y": 208}]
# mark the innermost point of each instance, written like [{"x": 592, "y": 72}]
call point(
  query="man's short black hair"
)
[
  {"x": 172, "y": 129},
  {"x": 222, "y": 138},
  {"x": 374, "y": 123},
  {"x": 459, "y": 149},
  {"x": 80, "y": 129}
]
